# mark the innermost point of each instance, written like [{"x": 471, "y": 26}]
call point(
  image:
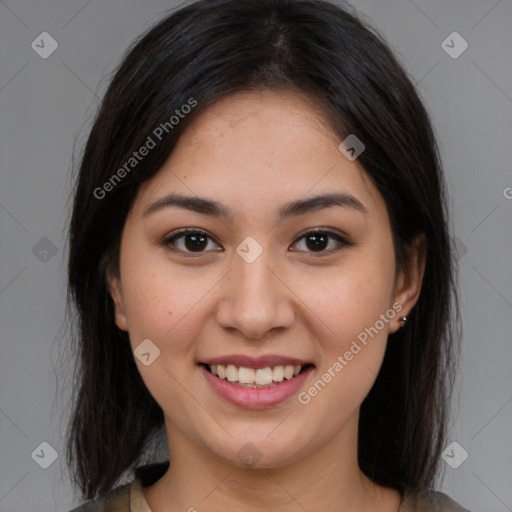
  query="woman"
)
[{"x": 261, "y": 266}]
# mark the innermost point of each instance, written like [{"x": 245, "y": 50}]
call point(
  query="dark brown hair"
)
[{"x": 208, "y": 50}]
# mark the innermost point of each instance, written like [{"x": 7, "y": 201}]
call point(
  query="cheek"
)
[
  {"x": 162, "y": 302},
  {"x": 150, "y": 303},
  {"x": 350, "y": 299},
  {"x": 352, "y": 341}
]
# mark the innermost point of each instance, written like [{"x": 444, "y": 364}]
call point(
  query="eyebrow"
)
[{"x": 292, "y": 209}]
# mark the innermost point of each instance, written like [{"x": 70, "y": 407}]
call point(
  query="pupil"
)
[
  {"x": 319, "y": 241},
  {"x": 198, "y": 242}
]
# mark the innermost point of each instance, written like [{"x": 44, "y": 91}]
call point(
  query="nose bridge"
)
[
  {"x": 254, "y": 301},
  {"x": 254, "y": 280}
]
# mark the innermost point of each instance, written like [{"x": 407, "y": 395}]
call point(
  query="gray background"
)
[{"x": 46, "y": 103}]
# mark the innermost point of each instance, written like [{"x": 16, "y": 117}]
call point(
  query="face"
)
[{"x": 267, "y": 276}]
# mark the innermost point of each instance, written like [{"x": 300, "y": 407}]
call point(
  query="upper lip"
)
[{"x": 256, "y": 362}]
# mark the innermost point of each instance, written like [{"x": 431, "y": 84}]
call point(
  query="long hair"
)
[{"x": 197, "y": 55}]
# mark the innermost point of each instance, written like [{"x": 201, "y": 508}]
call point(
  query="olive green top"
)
[{"x": 130, "y": 498}]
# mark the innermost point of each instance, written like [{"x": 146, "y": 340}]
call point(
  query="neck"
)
[{"x": 328, "y": 478}]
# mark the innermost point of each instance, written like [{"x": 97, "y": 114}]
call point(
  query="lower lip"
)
[{"x": 255, "y": 397}]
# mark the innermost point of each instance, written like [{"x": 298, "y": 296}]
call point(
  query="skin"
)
[{"x": 254, "y": 152}]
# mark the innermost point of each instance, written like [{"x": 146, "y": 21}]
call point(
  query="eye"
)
[
  {"x": 319, "y": 239},
  {"x": 192, "y": 242},
  {"x": 188, "y": 241}
]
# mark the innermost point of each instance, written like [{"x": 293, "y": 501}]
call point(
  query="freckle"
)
[{"x": 170, "y": 312}]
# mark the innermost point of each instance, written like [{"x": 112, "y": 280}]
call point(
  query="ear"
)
[
  {"x": 115, "y": 290},
  {"x": 409, "y": 279}
]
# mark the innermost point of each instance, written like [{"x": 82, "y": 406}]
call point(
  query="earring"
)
[{"x": 402, "y": 319}]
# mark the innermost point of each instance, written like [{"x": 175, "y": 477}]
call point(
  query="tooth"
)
[
  {"x": 288, "y": 371},
  {"x": 278, "y": 373},
  {"x": 245, "y": 375},
  {"x": 231, "y": 373},
  {"x": 259, "y": 377},
  {"x": 221, "y": 370},
  {"x": 263, "y": 376}
]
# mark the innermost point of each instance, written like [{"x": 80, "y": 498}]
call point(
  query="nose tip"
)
[{"x": 253, "y": 300}]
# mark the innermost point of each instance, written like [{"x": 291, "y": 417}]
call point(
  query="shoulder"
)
[
  {"x": 117, "y": 501},
  {"x": 128, "y": 497},
  {"x": 430, "y": 501}
]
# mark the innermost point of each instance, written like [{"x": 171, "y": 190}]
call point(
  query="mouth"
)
[{"x": 257, "y": 378}]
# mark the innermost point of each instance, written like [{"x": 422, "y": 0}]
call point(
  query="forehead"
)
[{"x": 260, "y": 149}]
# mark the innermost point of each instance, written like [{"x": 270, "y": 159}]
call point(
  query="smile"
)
[
  {"x": 259, "y": 387},
  {"x": 255, "y": 377}
]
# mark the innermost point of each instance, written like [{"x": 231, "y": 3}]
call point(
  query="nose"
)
[{"x": 254, "y": 300}]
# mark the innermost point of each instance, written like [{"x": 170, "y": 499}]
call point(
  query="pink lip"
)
[
  {"x": 256, "y": 362},
  {"x": 253, "y": 397}
]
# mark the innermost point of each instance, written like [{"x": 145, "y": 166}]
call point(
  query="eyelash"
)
[{"x": 343, "y": 242}]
